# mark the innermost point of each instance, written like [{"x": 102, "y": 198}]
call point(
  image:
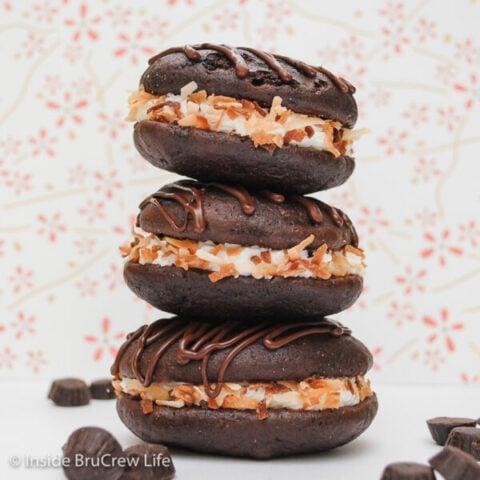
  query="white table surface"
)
[{"x": 32, "y": 426}]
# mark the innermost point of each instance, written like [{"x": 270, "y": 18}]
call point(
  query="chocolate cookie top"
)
[
  {"x": 184, "y": 350},
  {"x": 231, "y": 214},
  {"x": 253, "y": 75}
]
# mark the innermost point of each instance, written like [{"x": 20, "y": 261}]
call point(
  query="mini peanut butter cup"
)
[
  {"x": 92, "y": 453},
  {"x": 69, "y": 392},
  {"x": 102, "y": 389},
  {"x": 440, "y": 427},
  {"x": 408, "y": 471},
  {"x": 466, "y": 439},
  {"x": 148, "y": 462},
  {"x": 454, "y": 464}
]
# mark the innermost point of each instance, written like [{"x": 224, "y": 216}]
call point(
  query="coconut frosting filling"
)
[
  {"x": 231, "y": 260},
  {"x": 269, "y": 128},
  {"x": 312, "y": 393}
]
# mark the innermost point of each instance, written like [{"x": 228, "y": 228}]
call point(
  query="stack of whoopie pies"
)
[{"x": 249, "y": 365}]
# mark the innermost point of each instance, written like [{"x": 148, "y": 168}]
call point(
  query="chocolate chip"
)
[
  {"x": 454, "y": 464},
  {"x": 466, "y": 439},
  {"x": 148, "y": 462},
  {"x": 92, "y": 453},
  {"x": 69, "y": 392},
  {"x": 440, "y": 427},
  {"x": 102, "y": 389},
  {"x": 407, "y": 471}
]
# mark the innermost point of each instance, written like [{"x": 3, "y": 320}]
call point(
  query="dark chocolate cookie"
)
[
  {"x": 253, "y": 75},
  {"x": 231, "y": 214},
  {"x": 323, "y": 348},
  {"x": 240, "y": 433},
  {"x": 282, "y": 124},
  {"x": 191, "y": 293},
  {"x": 216, "y": 156}
]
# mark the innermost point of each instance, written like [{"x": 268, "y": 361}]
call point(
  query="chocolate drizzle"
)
[
  {"x": 197, "y": 341},
  {"x": 234, "y": 55},
  {"x": 189, "y": 195}
]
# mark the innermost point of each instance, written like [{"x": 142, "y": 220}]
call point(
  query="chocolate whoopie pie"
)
[
  {"x": 216, "y": 251},
  {"x": 278, "y": 389},
  {"x": 240, "y": 115}
]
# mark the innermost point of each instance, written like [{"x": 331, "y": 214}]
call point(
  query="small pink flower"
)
[
  {"x": 7, "y": 358},
  {"x": 417, "y": 114},
  {"x": 52, "y": 84},
  {"x": 10, "y": 147},
  {"x": 111, "y": 124},
  {"x": 172, "y": 3},
  {"x": 18, "y": 182},
  {"x": 470, "y": 233},
  {"x": 77, "y": 175},
  {"x": 393, "y": 142},
  {"x": 34, "y": 45},
  {"x": 106, "y": 342},
  {"x": 134, "y": 47},
  {"x": 113, "y": 277},
  {"x": 343, "y": 200},
  {"x": 445, "y": 73},
  {"x": 328, "y": 55},
  {"x": 42, "y": 143},
  {"x": 83, "y": 25},
  {"x": 401, "y": 313},
  {"x": 395, "y": 39},
  {"x": 51, "y": 226},
  {"x": 411, "y": 281},
  {"x": 82, "y": 87},
  {"x": 154, "y": 26},
  {"x": 74, "y": 52},
  {"x": 376, "y": 353},
  {"x": 444, "y": 328},
  {"x": 372, "y": 219},
  {"x": 23, "y": 325},
  {"x": 107, "y": 183},
  {"x": 468, "y": 52},
  {"x": 93, "y": 211},
  {"x": 425, "y": 30},
  {"x": 469, "y": 379},
  {"x": 440, "y": 246},
  {"x": 35, "y": 360},
  {"x": 380, "y": 97},
  {"x": 119, "y": 15},
  {"x": 44, "y": 12},
  {"x": 137, "y": 163},
  {"x": 85, "y": 246},
  {"x": 278, "y": 11},
  {"x": 427, "y": 218},
  {"x": 68, "y": 109},
  {"x": 21, "y": 279},
  {"x": 471, "y": 89},
  {"x": 352, "y": 47},
  {"x": 393, "y": 11},
  {"x": 226, "y": 19},
  {"x": 449, "y": 118},
  {"x": 434, "y": 358},
  {"x": 87, "y": 287},
  {"x": 426, "y": 169}
]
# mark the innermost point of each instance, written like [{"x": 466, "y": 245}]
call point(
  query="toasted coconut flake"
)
[
  {"x": 296, "y": 135},
  {"x": 188, "y": 89},
  {"x": 319, "y": 254},
  {"x": 147, "y": 406},
  {"x": 227, "y": 270},
  {"x": 294, "y": 252},
  {"x": 354, "y": 250},
  {"x": 262, "y": 412}
]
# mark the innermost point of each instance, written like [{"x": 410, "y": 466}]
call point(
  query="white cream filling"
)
[
  {"x": 215, "y": 258},
  {"x": 304, "y": 395},
  {"x": 240, "y": 125}
]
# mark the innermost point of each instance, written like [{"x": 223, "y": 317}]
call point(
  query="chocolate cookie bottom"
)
[
  {"x": 191, "y": 293},
  {"x": 224, "y": 157},
  {"x": 240, "y": 433}
]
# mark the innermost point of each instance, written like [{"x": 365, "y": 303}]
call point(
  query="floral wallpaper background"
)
[{"x": 70, "y": 179}]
